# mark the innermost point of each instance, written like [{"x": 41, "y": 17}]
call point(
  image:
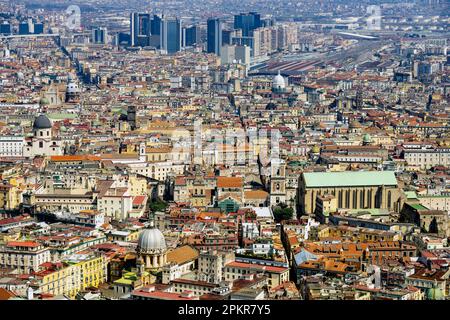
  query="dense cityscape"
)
[{"x": 224, "y": 150}]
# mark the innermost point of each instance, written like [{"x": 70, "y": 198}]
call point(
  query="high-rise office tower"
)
[
  {"x": 247, "y": 22},
  {"x": 140, "y": 30},
  {"x": 5, "y": 28},
  {"x": 191, "y": 36},
  {"x": 26, "y": 27},
  {"x": 214, "y": 36},
  {"x": 170, "y": 38},
  {"x": 227, "y": 35},
  {"x": 38, "y": 28},
  {"x": 99, "y": 35},
  {"x": 155, "y": 26}
]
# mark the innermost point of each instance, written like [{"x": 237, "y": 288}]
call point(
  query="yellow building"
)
[
  {"x": 93, "y": 269},
  {"x": 9, "y": 195},
  {"x": 138, "y": 186},
  {"x": 57, "y": 279}
]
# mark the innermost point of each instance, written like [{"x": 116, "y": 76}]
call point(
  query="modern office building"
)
[
  {"x": 191, "y": 36},
  {"x": 38, "y": 28},
  {"x": 247, "y": 22},
  {"x": 99, "y": 35},
  {"x": 170, "y": 38},
  {"x": 26, "y": 27},
  {"x": 140, "y": 30},
  {"x": 214, "y": 36},
  {"x": 155, "y": 25},
  {"x": 251, "y": 42},
  {"x": 5, "y": 28}
]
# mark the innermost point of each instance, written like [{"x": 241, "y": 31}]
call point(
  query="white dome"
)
[
  {"x": 278, "y": 82},
  {"x": 72, "y": 87},
  {"x": 151, "y": 241}
]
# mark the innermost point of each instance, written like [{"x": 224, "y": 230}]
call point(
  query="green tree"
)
[
  {"x": 157, "y": 205},
  {"x": 283, "y": 212}
]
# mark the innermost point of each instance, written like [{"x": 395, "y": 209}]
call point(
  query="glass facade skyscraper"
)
[
  {"x": 140, "y": 29},
  {"x": 214, "y": 36},
  {"x": 247, "y": 22},
  {"x": 170, "y": 35}
]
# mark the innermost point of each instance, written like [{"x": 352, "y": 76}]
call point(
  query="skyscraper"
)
[
  {"x": 155, "y": 26},
  {"x": 99, "y": 35},
  {"x": 140, "y": 30},
  {"x": 170, "y": 38},
  {"x": 5, "y": 28},
  {"x": 247, "y": 22},
  {"x": 26, "y": 27},
  {"x": 191, "y": 36},
  {"x": 38, "y": 28},
  {"x": 214, "y": 36}
]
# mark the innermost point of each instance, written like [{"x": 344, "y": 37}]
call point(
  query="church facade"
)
[{"x": 42, "y": 142}]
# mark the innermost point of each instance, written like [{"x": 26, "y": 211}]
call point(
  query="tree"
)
[
  {"x": 283, "y": 212},
  {"x": 157, "y": 205}
]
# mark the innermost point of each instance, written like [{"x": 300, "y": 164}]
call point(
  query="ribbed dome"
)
[
  {"x": 72, "y": 87},
  {"x": 44, "y": 102},
  {"x": 278, "y": 82},
  {"x": 42, "y": 122},
  {"x": 151, "y": 241}
]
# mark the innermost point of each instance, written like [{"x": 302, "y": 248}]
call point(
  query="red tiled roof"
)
[
  {"x": 138, "y": 200},
  {"x": 30, "y": 244}
]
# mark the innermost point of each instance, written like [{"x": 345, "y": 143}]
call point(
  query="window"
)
[
  {"x": 389, "y": 200},
  {"x": 41, "y": 144},
  {"x": 361, "y": 198},
  {"x": 347, "y": 199}
]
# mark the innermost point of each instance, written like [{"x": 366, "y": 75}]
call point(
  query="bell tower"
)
[{"x": 277, "y": 182}]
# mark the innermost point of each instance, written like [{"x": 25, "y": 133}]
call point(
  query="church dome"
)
[
  {"x": 367, "y": 138},
  {"x": 44, "y": 102},
  {"x": 42, "y": 122},
  {"x": 72, "y": 87},
  {"x": 151, "y": 241},
  {"x": 278, "y": 82}
]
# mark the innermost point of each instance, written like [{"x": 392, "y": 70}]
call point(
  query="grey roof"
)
[
  {"x": 303, "y": 256},
  {"x": 151, "y": 241},
  {"x": 42, "y": 122}
]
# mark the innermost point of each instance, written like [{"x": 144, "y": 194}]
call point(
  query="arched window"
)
[
  {"x": 370, "y": 199},
  {"x": 340, "y": 199},
  {"x": 41, "y": 144},
  {"x": 355, "y": 199}
]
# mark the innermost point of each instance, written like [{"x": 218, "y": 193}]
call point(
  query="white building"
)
[
  {"x": 42, "y": 142},
  {"x": 426, "y": 158},
  {"x": 11, "y": 146},
  {"x": 23, "y": 255}
]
